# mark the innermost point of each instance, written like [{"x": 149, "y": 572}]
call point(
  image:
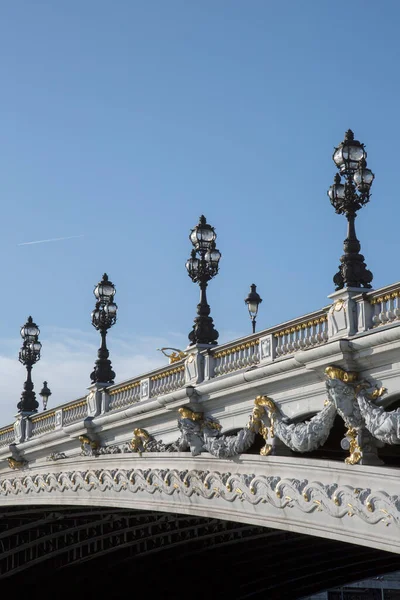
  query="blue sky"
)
[{"x": 124, "y": 121}]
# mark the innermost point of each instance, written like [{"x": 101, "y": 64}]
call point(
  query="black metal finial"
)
[
  {"x": 104, "y": 316},
  {"x": 349, "y": 135},
  {"x": 347, "y": 198},
  {"x": 202, "y": 266},
  {"x": 29, "y": 354}
]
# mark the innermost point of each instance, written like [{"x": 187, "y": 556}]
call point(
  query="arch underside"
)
[
  {"x": 244, "y": 527},
  {"x": 112, "y": 551}
]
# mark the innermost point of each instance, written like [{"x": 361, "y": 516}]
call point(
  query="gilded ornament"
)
[
  {"x": 338, "y": 305},
  {"x": 85, "y": 440},
  {"x": 187, "y": 413},
  {"x": 338, "y": 373},
  {"x": 139, "y": 440},
  {"x": 175, "y": 356},
  {"x": 46, "y": 416},
  {"x": 75, "y": 405},
  {"x": 15, "y": 464},
  {"x": 355, "y": 450}
]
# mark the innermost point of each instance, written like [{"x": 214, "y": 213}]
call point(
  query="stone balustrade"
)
[
  {"x": 7, "y": 436},
  {"x": 168, "y": 380},
  {"x": 356, "y": 312},
  {"x": 43, "y": 423},
  {"x": 302, "y": 335},
  {"x": 232, "y": 358},
  {"x": 76, "y": 411},
  {"x": 386, "y": 306},
  {"x": 124, "y": 395}
]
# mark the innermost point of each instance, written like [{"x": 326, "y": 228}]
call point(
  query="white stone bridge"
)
[{"x": 274, "y": 458}]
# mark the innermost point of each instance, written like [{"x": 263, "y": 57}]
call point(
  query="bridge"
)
[
  {"x": 285, "y": 439},
  {"x": 266, "y": 465}
]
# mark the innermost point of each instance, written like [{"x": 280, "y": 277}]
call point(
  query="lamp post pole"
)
[
  {"x": 104, "y": 316},
  {"x": 202, "y": 266},
  {"x": 350, "y": 158},
  {"x": 29, "y": 354}
]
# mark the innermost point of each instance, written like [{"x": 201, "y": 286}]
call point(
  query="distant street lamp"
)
[
  {"x": 253, "y": 301},
  {"x": 45, "y": 393},
  {"x": 28, "y": 356},
  {"x": 350, "y": 158},
  {"x": 104, "y": 316},
  {"x": 202, "y": 266}
]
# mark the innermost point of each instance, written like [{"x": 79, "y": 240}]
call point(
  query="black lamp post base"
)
[
  {"x": 103, "y": 372},
  {"x": 28, "y": 403},
  {"x": 203, "y": 331},
  {"x": 353, "y": 272}
]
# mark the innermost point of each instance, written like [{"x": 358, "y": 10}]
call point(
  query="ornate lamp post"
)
[
  {"x": 350, "y": 158},
  {"x": 103, "y": 317},
  {"x": 253, "y": 301},
  {"x": 202, "y": 266},
  {"x": 45, "y": 393},
  {"x": 28, "y": 356}
]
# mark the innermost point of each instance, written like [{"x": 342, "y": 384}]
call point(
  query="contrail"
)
[{"x": 51, "y": 240}]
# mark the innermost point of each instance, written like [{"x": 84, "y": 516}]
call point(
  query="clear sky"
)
[{"x": 123, "y": 121}]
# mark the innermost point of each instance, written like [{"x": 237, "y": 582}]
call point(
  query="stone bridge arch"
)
[{"x": 349, "y": 503}]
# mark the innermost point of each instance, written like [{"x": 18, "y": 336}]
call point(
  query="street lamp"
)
[
  {"x": 202, "y": 266},
  {"x": 104, "y": 316},
  {"x": 45, "y": 393},
  {"x": 350, "y": 158},
  {"x": 253, "y": 301},
  {"x": 29, "y": 354}
]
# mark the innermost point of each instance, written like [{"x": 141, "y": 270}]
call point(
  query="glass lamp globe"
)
[
  {"x": 203, "y": 235},
  {"x": 349, "y": 153},
  {"x": 30, "y": 330},
  {"x": 363, "y": 177},
  {"x": 104, "y": 290}
]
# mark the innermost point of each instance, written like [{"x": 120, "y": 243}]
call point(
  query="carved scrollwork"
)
[{"x": 303, "y": 495}]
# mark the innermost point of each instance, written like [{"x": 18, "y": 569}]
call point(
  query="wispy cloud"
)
[{"x": 70, "y": 237}]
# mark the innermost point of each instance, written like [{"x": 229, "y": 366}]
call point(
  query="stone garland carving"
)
[
  {"x": 384, "y": 426},
  {"x": 308, "y": 436},
  {"x": 57, "y": 456},
  {"x": 338, "y": 501},
  {"x": 368, "y": 427}
]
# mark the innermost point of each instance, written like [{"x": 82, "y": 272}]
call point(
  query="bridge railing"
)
[
  {"x": 373, "y": 309},
  {"x": 385, "y": 305},
  {"x": 156, "y": 383},
  {"x": 7, "y": 436},
  {"x": 298, "y": 334}
]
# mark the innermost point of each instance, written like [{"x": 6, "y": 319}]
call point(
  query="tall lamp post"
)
[
  {"x": 104, "y": 316},
  {"x": 253, "y": 301},
  {"x": 347, "y": 198},
  {"x": 29, "y": 354},
  {"x": 202, "y": 266}
]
